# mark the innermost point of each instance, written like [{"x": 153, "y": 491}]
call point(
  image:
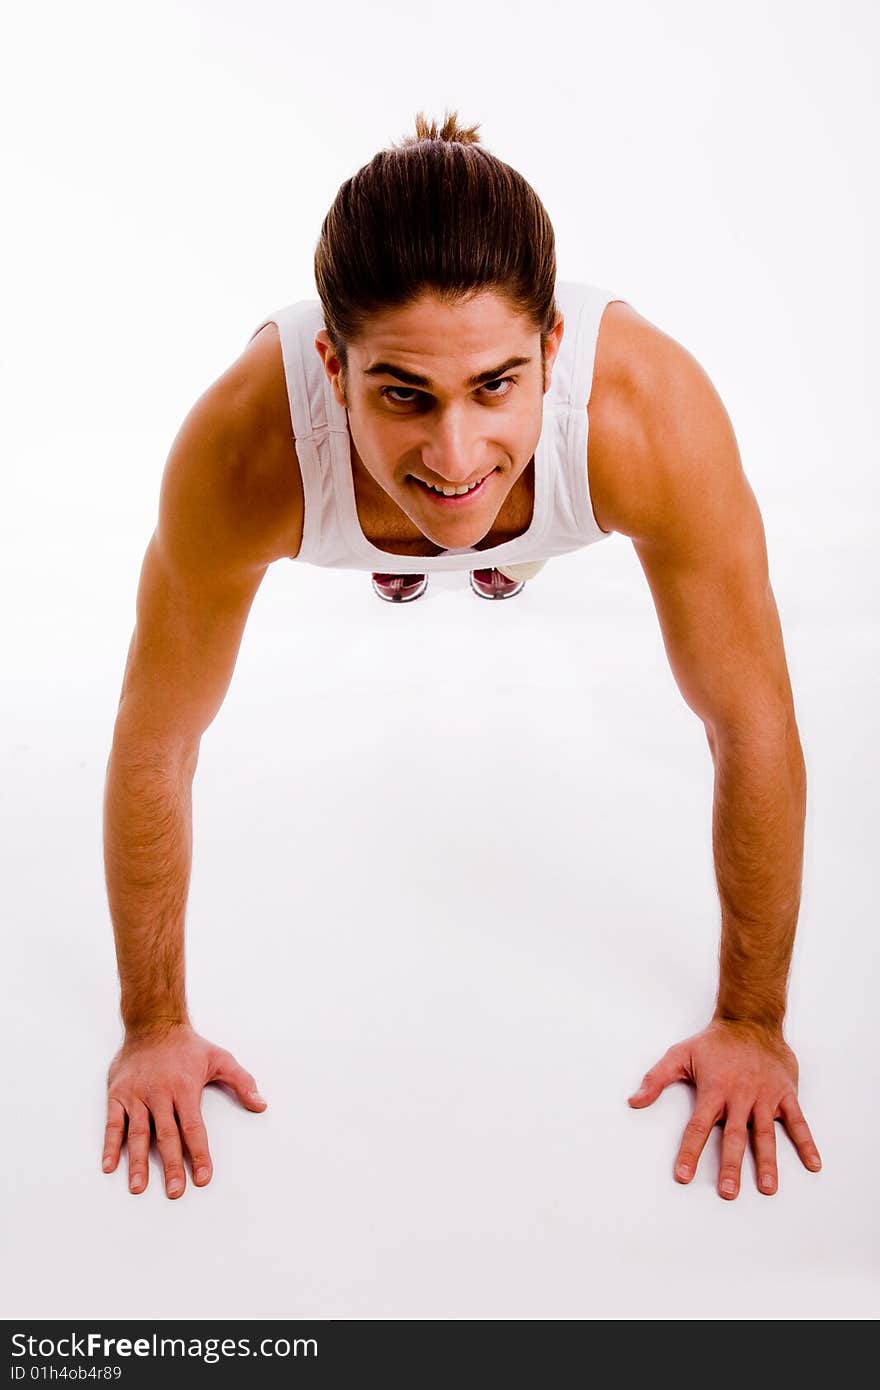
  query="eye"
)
[
  {"x": 500, "y": 382},
  {"x": 413, "y": 395}
]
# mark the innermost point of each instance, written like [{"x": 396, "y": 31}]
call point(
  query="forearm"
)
[
  {"x": 147, "y": 861},
  {"x": 757, "y": 840}
]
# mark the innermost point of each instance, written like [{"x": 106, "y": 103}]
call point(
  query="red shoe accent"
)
[
  {"x": 493, "y": 584},
  {"x": 400, "y": 588}
]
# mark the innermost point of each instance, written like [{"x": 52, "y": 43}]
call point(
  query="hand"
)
[
  {"x": 746, "y": 1075},
  {"x": 160, "y": 1073}
]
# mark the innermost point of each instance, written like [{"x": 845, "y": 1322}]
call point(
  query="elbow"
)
[{"x": 754, "y": 729}]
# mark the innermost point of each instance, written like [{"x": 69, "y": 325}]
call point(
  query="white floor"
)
[{"x": 452, "y": 896}]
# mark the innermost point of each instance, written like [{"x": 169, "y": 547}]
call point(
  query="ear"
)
[
  {"x": 554, "y": 342},
  {"x": 332, "y": 365}
]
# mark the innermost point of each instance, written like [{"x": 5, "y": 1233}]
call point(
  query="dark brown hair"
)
[{"x": 437, "y": 213}]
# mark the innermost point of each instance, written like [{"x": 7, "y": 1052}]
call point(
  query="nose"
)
[{"x": 451, "y": 458}]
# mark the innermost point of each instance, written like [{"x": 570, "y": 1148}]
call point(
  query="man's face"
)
[{"x": 416, "y": 417}]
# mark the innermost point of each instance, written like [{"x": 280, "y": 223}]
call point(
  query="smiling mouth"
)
[{"x": 454, "y": 497}]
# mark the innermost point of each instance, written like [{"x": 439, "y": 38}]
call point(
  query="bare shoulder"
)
[
  {"x": 647, "y": 389},
  {"x": 232, "y": 486}
]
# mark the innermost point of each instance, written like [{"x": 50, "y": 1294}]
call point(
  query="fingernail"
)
[
  {"x": 255, "y": 1095},
  {"x": 175, "y": 1187},
  {"x": 682, "y": 1171},
  {"x": 815, "y": 1161},
  {"x": 202, "y": 1175},
  {"x": 728, "y": 1187},
  {"x": 107, "y": 1164},
  {"x": 767, "y": 1183}
]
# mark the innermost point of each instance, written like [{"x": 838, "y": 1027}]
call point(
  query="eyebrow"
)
[{"x": 414, "y": 379}]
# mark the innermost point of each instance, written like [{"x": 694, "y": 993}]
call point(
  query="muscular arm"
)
[
  {"x": 200, "y": 574},
  {"x": 698, "y": 534},
  {"x": 704, "y": 555}
]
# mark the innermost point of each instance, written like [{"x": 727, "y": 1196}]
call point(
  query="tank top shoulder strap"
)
[
  {"x": 293, "y": 322},
  {"x": 583, "y": 306},
  {"x": 310, "y": 412}
]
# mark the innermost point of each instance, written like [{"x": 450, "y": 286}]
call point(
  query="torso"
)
[{"x": 624, "y": 351}]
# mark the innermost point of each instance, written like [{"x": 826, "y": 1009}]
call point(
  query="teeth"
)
[{"x": 454, "y": 491}]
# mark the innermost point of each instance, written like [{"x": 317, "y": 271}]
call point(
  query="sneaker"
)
[
  {"x": 493, "y": 584},
  {"x": 400, "y": 588}
]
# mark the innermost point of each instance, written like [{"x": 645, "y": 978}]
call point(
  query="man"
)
[{"x": 439, "y": 416}]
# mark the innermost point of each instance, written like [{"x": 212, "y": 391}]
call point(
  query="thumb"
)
[
  {"x": 661, "y": 1075},
  {"x": 225, "y": 1068}
]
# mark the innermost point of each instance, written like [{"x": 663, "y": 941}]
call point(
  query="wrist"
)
[
  {"x": 154, "y": 1027},
  {"x": 747, "y": 1023},
  {"x": 761, "y": 1008}
]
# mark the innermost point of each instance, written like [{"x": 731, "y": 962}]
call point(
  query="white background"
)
[{"x": 447, "y": 959}]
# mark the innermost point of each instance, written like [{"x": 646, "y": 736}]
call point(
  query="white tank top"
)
[{"x": 562, "y": 513}]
